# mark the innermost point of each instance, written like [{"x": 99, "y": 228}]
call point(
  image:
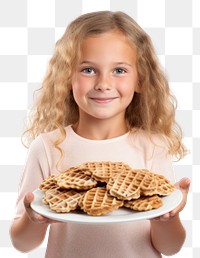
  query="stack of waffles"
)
[{"x": 98, "y": 188}]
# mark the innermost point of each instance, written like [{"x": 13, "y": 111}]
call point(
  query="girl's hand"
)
[
  {"x": 34, "y": 216},
  {"x": 183, "y": 185}
]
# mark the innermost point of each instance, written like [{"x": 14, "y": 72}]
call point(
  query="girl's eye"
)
[
  {"x": 88, "y": 70},
  {"x": 119, "y": 71}
]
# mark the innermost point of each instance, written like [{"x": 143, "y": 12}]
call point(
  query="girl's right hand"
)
[{"x": 34, "y": 216}]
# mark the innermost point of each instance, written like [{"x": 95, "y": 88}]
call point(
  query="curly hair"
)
[{"x": 152, "y": 109}]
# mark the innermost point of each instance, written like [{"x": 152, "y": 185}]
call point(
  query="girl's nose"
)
[{"x": 103, "y": 83}]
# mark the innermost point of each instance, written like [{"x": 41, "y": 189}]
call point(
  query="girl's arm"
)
[
  {"x": 167, "y": 236},
  {"x": 167, "y": 232},
  {"x": 27, "y": 235},
  {"x": 28, "y": 232}
]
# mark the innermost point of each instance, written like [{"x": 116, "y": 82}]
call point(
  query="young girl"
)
[{"x": 104, "y": 98}]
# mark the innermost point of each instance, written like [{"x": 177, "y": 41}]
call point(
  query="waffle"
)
[
  {"x": 76, "y": 179},
  {"x": 48, "y": 183},
  {"x": 98, "y": 201},
  {"x": 44, "y": 199},
  {"x": 164, "y": 186},
  {"x": 141, "y": 182},
  {"x": 129, "y": 184},
  {"x": 144, "y": 203},
  {"x": 103, "y": 171},
  {"x": 149, "y": 183},
  {"x": 81, "y": 167},
  {"x": 62, "y": 200},
  {"x": 101, "y": 187}
]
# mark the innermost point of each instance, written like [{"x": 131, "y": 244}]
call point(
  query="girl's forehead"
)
[
  {"x": 112, "y": 33},
  {"x": 107, "y": 47},
  {"x": 111, "y": 37}
]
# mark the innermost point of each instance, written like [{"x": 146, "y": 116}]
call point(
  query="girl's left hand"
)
[{"x": 183, "y": 185}]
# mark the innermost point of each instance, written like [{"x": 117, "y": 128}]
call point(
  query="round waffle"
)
[
  {"x": 62, "y": 200},
  {"x": 98, "y": 201},
  {"x": 48, "y": 183},
  {"x": 164, "y": 186},
  {"x": 144, "y": 203},
  {"x": 149, "y": 184},
  {"x": 76, "y": 179},
  {"x": 103, "y": 171},
  {"x": 129, "y": 184}
]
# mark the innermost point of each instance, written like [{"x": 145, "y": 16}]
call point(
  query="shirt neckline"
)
[{"x": 78, "y": 137}]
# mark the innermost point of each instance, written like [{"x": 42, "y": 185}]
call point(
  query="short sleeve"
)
[{"x": 35, "y": 170}]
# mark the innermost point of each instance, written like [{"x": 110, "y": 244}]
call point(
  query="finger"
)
[
  {"x": 184, "y": 184},
  {"x": 179, "y": 208},
  {"x": 174, "y": 212},
  {"x": 40, "y": 219},
  {"x": 165, "y": 217},
  {"x": 35, "y": 217},
  {"x": 29, "y": 197}
]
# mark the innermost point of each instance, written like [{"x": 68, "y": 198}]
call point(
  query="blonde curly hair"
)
[{"x": 153, "y": 109}]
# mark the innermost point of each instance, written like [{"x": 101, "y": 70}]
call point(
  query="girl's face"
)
[{"x": 105, "y": 80}]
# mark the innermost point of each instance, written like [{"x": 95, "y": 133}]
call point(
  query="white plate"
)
[{"x": 121, "y": 215}]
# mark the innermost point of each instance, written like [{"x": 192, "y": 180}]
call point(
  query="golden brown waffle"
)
[
  {"x": 62, "y": 200},
  {"x": 44, "y": 199},
  {"x": 144, "y": 203},
  {"x": 129, "y": 184},
  {"x": 76, "y": 179},
  {"x": 164, "y": 186},
  {"x": 81, "y": 167},
  {"x": 98, "y": 201},
  {"x": 118, "y": 183},
  {"x": 149, "y": 183},
  {"x": 103, "y": 171},
  {"x": 48, "y": 183},
  {"x": 132, "y": 184}
]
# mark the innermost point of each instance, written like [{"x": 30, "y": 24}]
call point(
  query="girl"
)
[{"x": 104, "y": 97}]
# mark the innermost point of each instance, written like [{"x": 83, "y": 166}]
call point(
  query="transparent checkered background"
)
[{"x": 28, "y": 32}]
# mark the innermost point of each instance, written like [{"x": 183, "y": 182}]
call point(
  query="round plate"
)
[{"x": 121, "y": 215}]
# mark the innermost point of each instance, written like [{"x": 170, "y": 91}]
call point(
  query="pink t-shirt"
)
[{"x": 127, "y": 240}]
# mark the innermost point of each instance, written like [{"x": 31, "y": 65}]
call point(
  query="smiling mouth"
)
[{"x": 103, "y": 100}]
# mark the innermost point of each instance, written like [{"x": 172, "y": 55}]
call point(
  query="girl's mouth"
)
[{"x": 103, "y": 100}]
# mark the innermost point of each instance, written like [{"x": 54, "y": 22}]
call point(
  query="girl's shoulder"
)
[
  {"x": 53, "y": 136},
  {"x": 152, "y": 146},
  {"x": 45, "y": 139},
  {"x": 149, "y": 140}
]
